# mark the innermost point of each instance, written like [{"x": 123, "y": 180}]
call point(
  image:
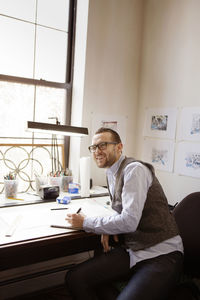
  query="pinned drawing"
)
[
  {"x": 109, "y": 124},
  {"x": 188, "y": 159},
  {"x": 195, "y": 126},
  {"x": 159, "y": 153},
  {"x": 159, "y": 156},
  {"x": 115, "y": 122},
  {"x": 193, "y": 160},
  {"x": 160, "y": 122},
  {"x": 189, "y": 128}
]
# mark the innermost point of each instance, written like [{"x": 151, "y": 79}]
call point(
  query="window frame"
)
[{"x": 67, "y": 85}]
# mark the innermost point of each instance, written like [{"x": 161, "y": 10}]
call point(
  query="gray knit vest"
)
[{"x": 157, "y": 223}]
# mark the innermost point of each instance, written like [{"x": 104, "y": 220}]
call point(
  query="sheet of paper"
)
[
  {"x": 160, "y": 122},
  {"x": 189, "y": 125},
  {"x": 90, "y": 208},
  {"x": 159, "y": 153},
  {"x": 36, "y": 219},
  {"x": 188, "y": 159}
]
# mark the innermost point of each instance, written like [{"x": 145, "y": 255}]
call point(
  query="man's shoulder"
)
[{"x": 138, "y": 167}]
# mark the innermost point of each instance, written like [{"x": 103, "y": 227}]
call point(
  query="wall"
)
[
  {"x": 170, "y": 72},
  {"x": 111, "y": 72},
  {"x": 139, "y": 54}
]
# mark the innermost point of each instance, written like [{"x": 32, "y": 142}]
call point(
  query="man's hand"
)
[
  {"x": 105, "y": 241},
  {"x": 76, "y": 220}
]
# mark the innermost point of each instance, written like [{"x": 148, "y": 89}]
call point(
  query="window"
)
[{"x": 35, "y": 78}]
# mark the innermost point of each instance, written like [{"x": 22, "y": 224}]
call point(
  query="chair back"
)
[{"x": 187, "y": 215}]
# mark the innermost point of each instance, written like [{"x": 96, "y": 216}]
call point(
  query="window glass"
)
[
  {"x": 49, "y": 103},
  {"x": 34, "y": 44},
  {"x": 16, "y": 102},
  {"x": 53, "y": 13},
  {"x": 17, "y": 47},
  {"x": 14, "y": 8},
  {"x": 51, "y": 54}
]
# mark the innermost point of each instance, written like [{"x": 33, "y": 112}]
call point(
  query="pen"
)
[
  {"x": 78, "y": 211},
  {"x": 59, "y": 208}
]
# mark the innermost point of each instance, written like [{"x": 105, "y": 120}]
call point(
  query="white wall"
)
[
  {"x": 140, "y": 56},
  {"x": 111, "y": 70},
  {"x": 170, "y": 72}
]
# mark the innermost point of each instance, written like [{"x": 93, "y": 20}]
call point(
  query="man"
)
[{"x": 151, "y": 249}]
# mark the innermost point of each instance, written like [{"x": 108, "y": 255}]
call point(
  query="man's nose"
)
[{"x": 97, "y": 150}]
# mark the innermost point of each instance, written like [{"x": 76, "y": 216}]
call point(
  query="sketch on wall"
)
[
  {"x": 160, "y": 122},
  {"x": 110, "y": 124},
  {"x": 160, "y": 153},
  {"x": 189, "y": 128},
  {"x": 115, "y": 122},
  {"x": 188, "y": 159}
]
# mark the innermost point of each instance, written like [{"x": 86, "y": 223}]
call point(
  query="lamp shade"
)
[{"x": 56, "y": 129}]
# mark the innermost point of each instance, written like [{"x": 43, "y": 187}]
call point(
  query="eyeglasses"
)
[{"x": 100, "y": 146}]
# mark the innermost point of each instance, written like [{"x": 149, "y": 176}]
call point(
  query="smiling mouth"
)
[{"x": 99, "y": 158}]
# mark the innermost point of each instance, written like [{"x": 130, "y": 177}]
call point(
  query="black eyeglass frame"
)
[{"x": 93, "y": 148}]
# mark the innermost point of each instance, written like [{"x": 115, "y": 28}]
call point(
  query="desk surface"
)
[{"x": 34, "y": 240}]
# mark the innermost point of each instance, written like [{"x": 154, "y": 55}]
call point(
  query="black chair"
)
[{"x": 187, "y": 215}]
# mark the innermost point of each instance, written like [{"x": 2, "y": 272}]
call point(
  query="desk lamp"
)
[
  {"x": 57, "y": 129},
  {"x": 54, "y": 129}
]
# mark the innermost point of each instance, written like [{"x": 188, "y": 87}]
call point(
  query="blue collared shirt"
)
[{"x": 137, "y": 180}]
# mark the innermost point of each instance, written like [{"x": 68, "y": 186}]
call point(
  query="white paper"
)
[
  {"x": 160, "y": 122},
  {"x": 85, "y": 176},
  {"x": 188, "y": 159},
  {"x": 37, "y": 219},
  {"x": 115, "y": 122},
  {"x": 159, "y": 153},
  {"x": 189, "y": 125}
]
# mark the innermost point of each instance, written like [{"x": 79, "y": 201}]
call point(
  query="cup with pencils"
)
[
  {"x": 55, "y": 179},
  {"x": 10, "y": 185},
  {"x": 66, "y": 179},
  {"x": 40, "y": 180}
]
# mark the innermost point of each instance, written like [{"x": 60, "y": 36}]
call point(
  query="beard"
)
[{"x": 105, "y": 161}]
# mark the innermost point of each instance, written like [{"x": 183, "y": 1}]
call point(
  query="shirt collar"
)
[{"x": 114, "y": 168}]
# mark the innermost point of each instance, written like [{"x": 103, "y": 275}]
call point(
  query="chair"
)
[{"x": 187, "y": 215}]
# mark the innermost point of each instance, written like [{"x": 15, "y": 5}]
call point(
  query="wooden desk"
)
[
  {"x": 38, "y": 256},
  {"x": 32, "y": 251},
  {"x": 34, "y": 240},
  {"x": 37, "y": 250}
]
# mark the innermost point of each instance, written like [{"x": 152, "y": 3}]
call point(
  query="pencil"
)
[
  {"x": 11, "y": 198},
  {"x": 65, "y": 227},
  {"x": 59, "y": 208}
]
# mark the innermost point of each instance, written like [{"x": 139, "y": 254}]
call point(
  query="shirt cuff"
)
[{"x": 88, "y": 224}]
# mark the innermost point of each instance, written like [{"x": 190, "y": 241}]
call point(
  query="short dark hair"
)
[{"x": 115, "y": 135}]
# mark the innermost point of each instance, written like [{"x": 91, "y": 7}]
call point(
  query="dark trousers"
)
[{"x": 150, "y": 279}]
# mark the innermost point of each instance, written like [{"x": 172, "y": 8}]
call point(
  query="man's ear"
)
[{"x": 120, "y": 147}]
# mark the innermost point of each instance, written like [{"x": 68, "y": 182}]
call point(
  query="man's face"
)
[{"x": 107, "y": 157}]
